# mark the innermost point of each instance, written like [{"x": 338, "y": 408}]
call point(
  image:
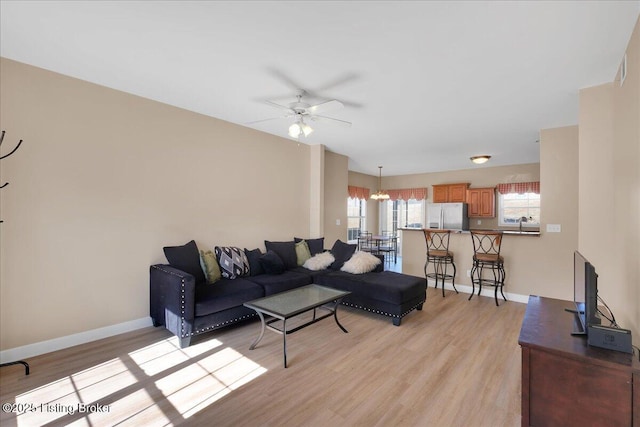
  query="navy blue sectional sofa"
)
[{"x": 183, "y": 302}]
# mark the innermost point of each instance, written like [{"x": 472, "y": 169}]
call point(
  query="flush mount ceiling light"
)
[
  {"x": 299, "y": 128},
  {"x": 480, "y": 159},
  {"x": 380, "y": 194}
]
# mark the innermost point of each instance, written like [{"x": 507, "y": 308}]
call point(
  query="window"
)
[
  {"x": 513, "y": 206},
  {"x": 396, "y": 214},
  {"x": 356, "y": 218}
]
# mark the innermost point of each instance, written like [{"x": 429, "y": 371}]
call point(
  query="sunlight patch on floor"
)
[
  {"x": 200, "y": 384},
  {"x": 150, "y": 386}
]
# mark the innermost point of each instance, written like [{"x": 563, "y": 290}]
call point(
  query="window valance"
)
[
  {"x": 358, "y": 192},
  {"x": 407, "y": 193},
  {"x": 520, "y": 187}
]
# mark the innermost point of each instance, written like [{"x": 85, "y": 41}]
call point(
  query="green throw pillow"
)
[
  {"x": 210, "y": 266},
  {"x": 302, "y": 252}
]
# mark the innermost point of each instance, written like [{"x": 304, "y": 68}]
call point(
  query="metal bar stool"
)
[
  {"x": 438, "y": 254},
  {"x": 486, "y": 254}
]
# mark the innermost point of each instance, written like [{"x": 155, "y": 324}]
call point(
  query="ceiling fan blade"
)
[
  {"x": 284, "y": 78},
  {"x": 330, "y": 120},
  {"x": 269, "y": 119},
  {"x": 282, "y": 107},
  {"x": 324, "y": 106}
]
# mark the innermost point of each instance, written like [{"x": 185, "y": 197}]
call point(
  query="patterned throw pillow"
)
[{"x": 232, "y": 261}]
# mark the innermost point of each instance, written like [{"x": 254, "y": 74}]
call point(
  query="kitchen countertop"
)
[{"x": 505, "y": 232}]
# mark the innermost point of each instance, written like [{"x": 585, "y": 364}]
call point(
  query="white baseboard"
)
[
  {"x": 48, "y": 346},
  {"x": 486, "y": 292}
]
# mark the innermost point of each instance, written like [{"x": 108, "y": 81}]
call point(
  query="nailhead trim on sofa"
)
[
  {"x": 228, "y": 322},
  {"x": 381, "y": 312}
]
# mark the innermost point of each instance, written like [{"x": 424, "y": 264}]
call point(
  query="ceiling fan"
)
[{"x": 302, "y": 111}]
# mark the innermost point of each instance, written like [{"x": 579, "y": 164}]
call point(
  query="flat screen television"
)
[{"x": 585, "y": 294}]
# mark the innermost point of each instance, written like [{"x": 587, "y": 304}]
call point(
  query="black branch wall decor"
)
[
  {"x": 18, "y": 362},
  {"x": 7, "y": 155}
]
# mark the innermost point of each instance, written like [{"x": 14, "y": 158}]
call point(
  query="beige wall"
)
[
  {"x": 609, "y": 230},
  {"x": 559, "y": 205},
  {"x": 335, "y": 198},
  {"x": 105, "y": 179}
]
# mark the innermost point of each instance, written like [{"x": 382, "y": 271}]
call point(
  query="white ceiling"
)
[{"x": 426, "y": 84}]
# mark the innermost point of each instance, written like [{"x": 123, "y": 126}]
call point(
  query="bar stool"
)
[
  {"x": 438, "y": 254},
  {"x": 486, "y": 254}
]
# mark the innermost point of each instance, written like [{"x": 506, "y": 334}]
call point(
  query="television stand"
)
[
  {"x": 577, "y": 329},
  {"x": 567, "y": 382}
]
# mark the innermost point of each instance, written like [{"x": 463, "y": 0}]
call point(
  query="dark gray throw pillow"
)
[
  {"x": 255, "y": 268},
  {"x": 286, "y": 251},
  {"x": 185, "y": 258},
  {"x": 316, "y": 246},
  {"x": 272, "y": 263},
  {"x": 342, "y": 253}
]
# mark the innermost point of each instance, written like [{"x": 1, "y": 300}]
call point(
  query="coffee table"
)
[{"x": 286, "y": 305}]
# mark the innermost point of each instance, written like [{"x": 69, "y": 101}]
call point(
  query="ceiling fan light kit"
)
[
  {"x": 478, "y": 160},
  {"x": 380, "y": 195},
  {"x": 300, "y": 128}
]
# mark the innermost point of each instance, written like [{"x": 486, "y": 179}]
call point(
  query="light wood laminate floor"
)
[{"x": 455, "y": 363}]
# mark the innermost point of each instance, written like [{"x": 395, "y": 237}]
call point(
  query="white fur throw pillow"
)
[
  {"x": 361, "y": 262},
  {"x": 319, "y": 261}
]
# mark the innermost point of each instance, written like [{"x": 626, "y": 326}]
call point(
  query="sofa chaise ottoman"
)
[{"x": 387, "y": 293}]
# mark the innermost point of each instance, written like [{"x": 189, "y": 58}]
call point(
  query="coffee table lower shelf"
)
[{"x": 285, "y": 305}]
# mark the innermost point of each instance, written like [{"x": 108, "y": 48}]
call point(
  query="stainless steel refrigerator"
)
[{"x": 448, "y": 216}]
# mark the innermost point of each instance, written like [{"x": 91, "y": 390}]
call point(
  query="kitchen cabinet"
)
[
  {"x": 482, "y": 202},
  {"x": 450, "y": 193}
]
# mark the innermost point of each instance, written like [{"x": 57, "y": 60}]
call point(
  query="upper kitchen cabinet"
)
[
  {"x": 450, "y": 193},
  {"x": 482, "y": 202}
]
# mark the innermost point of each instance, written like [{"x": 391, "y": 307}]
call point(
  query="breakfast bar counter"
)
[{"x": 522, "y": 251}]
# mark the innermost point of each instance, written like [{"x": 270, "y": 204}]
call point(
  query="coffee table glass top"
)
[{"x": 289, "y": 303}]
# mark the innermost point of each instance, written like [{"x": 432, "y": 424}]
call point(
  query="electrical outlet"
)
[
  {"x": 554, "y": 228},
  {"x": 337, "y": 222},
  {"x": 479, "y": 221},
  {"x": 468, "y": 273}
]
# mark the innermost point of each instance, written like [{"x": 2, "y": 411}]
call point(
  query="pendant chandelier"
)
[{"x": 380, "y": 194}]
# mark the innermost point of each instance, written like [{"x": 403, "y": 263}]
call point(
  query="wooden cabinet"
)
[
  {"x": 450, "y": 193},
  {"x": 482, "y": 202},
  {"x": 440, "y": 193},
  {"x": 567, "y": 382}
]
